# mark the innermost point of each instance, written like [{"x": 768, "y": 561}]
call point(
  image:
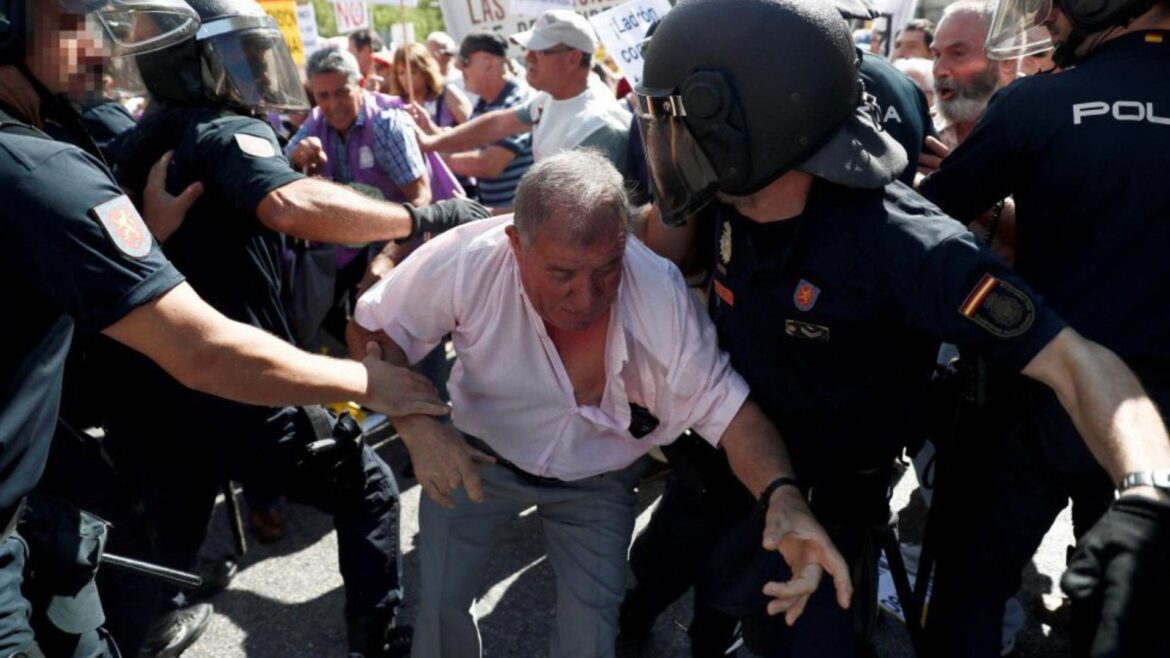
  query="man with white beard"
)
[{"x": 964, "y": 78}]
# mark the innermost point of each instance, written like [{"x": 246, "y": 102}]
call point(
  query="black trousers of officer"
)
[
  {"x": 173, "y": 472},
  {"x": 1012, "y": 469}
]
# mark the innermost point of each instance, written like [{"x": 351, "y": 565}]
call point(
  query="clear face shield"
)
[
  {"x": 682, "y": 177},
  {"x": 1017, "y": 29},
  {"x": 138, "y": 26},
  {"x": 247, "y": 63}
]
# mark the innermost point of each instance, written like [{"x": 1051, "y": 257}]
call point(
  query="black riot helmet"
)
[
  {"x": 238, "y": 59},
  {"x": 735, "y": 93},
  {"x": 1016, "y": 25}
]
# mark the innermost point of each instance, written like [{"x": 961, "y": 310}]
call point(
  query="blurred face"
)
[
  {"x": 964, "y": 78},
  {"x": 547, "y": 67},
  {"x": 570, "y": 285},
  {"x": 338, "y": 99},
  {"x": 909, "y": 44},
  {"x": 417, "y": 83},
  {"x": 67, "y": 52}
]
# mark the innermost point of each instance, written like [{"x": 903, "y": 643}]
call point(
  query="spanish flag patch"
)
[
  {"x": 999, "y": 307},
  {"x": 1155, "y": 37}
]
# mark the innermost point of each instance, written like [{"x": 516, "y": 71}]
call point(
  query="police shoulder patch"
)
[
  {"x": 124, "y": 226},
  {"x": 255, "y": 146},
  {"x": 999, "y": 307}
]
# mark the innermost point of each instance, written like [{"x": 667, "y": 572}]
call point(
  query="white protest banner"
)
[
  {"x": 396, "y": 34},
  {"x": 307, "y": 21},
  {"x": 623, "y": 29},
  {"x": 352, "y": 15},
  {"x": 900, "y": 13},
  {"x": 538, "y": 7},
  {"x": 466, "y": 16},
  {"x": 395, "y": 3}
]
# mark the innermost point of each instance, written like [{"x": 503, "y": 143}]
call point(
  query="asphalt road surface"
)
[{"x": 287, "y": 599}]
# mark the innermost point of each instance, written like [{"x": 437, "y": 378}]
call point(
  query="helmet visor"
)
[
  {"x": 252, "y": 68},
  {"x": 681, "y": 176},
  {"x": 139, "y": 26},
  {"x": 1016, "y": 29}
]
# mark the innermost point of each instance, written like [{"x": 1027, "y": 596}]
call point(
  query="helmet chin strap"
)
[{"x": 63, "y": 112}]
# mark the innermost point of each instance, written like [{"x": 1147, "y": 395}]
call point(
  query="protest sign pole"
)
[{"x": 406, "y": 54}]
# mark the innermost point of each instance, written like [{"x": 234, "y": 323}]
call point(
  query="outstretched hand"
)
[
  {"x": 443, "y": 461},
  {"x": 791, "y": 529},
  {"x": 164, "y": 213}
]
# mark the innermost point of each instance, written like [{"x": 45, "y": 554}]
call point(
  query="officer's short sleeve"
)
[
  {"x": 82, "y": 245},
  {"x": 947, "y": 285},
  {"x": 983, "y": 169},
  {"x": 239, "y": 159}
]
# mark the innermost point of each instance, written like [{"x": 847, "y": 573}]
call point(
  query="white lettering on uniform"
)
[
  {"x": 1120, "y": 111},
  {"x": 892, "y": 115}
]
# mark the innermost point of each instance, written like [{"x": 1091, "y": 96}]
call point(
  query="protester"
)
[
  {"x": 568, "y": 114},
  {"x": 914, "y": 40},
  {"x": 362, "y": 45},
  {"x": 439, "y": 105}
]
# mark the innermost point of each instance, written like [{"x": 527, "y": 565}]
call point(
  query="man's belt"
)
[{"x": 530, "y": 478}]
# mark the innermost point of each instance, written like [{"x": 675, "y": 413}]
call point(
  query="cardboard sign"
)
[
  {"x": 623, "y": 32},
  {"x": 466, "y": 16},
  {"x": 352, "y": 15},
  {"x": 307, "y": 22},
  {"x": 538, "y": 7},
  {"x": 284, "y": 12}
]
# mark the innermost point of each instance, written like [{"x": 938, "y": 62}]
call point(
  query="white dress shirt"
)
[{"x": 509, "y": 386}]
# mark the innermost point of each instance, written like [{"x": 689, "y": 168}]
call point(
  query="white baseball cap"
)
[{"x": 557, "y": 26}]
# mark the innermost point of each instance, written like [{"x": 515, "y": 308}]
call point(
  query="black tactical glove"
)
[
  {"x": 1120, "y": 572},
  {"x": 443, "y": 215}
]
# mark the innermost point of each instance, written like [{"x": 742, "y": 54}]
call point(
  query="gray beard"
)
[{"x": 971, "y": 99}]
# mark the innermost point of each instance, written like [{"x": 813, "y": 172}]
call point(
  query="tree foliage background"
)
[{"x": 427, "y": 17}]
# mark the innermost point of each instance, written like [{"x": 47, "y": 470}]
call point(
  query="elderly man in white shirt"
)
[{"x": 579, "y": 349}]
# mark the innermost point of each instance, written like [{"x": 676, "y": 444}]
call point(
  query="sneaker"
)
[{"x": 174, "y": 632}]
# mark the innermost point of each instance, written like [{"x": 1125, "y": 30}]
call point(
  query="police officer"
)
[
  {"x": 832, "y": 284},
  {"x": 695, "y": 508},
  {"x": 1083, "y": 154},
  {"x": 208, "y": 93},
  {"x": 78, "y": 260}
]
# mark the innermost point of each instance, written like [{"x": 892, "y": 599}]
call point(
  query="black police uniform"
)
[
  {"x": 834, "y": 317},
  {"x": 901, "y": 106},
  {"x": 77, "y": 258},
  {"x": 1084, "y": 155},
  {"x": 233, "y": 262}
]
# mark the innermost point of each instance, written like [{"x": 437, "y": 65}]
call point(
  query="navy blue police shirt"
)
[
  {"x": 1085, "y": 154},
  {"x": 901, "y": 107},
  {"x": 76, "y": 258},
  {"x": 834, "y": 318},
  {"x": 229, "y": 258}
]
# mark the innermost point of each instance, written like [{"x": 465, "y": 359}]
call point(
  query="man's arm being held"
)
[
  {"x": 758, "y": 457},
  {"x": 442, "y": 459}
]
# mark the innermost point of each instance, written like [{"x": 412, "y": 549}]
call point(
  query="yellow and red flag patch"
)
[
  {"x": 999, "y": 307},
  {"x": 124, "y": 226}
]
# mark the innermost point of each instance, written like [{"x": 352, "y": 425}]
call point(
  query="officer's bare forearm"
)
[
  {"x": 754, "y": 449},
  {"x": 1119, "y": 422},
  {"x": 481, "y": 130},
  {"x": 314, "y": 209},
  {"x": 208, "y": 352}
]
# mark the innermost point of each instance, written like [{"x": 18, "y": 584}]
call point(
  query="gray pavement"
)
[{"x": 287, "y": 599}]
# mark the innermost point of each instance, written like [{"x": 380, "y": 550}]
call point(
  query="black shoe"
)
[
  {"x": 217, "y": 574},
  {"x": 174, "y": 632}
]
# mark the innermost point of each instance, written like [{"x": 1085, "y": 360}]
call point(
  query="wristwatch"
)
[{"x": 1157, "y": 479}]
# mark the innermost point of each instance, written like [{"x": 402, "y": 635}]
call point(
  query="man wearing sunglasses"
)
[
  {"x": 1084, "y": 153},
  {"x": 568, "y": 114}
]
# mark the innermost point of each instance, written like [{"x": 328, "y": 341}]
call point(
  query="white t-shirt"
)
[{"x": 591, "y": 119}]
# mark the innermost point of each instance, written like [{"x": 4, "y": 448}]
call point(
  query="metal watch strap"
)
[
  {"x": 1159, "y": 479},
  {"x": 781, "y": 481}
]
